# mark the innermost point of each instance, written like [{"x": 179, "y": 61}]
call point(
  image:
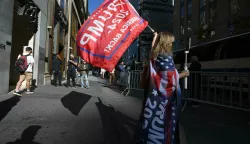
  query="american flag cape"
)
[{"x": 161, "y": 109}]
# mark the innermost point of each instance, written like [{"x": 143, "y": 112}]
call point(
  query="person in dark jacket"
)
[
  {"x": 195, "y": 79},
  {"x": 56, "y": 65},
  {"x": 71, "y": 72}
]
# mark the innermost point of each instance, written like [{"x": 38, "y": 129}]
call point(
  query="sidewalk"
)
[{"x": 62, "y": 115}]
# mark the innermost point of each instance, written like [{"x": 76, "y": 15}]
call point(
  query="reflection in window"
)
[{"x": 234, "y": 7}]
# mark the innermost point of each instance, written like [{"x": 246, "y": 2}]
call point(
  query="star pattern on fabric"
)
[
  {"x": 154, "y": 92},
  {"x": 165, "y": 64}
]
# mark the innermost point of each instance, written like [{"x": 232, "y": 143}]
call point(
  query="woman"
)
[{"x": 159, "y": 118}]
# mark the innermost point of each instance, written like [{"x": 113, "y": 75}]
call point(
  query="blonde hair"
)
[{"x": 163, "y": 44}]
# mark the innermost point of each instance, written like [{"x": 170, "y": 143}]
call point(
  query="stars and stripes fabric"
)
[{"x": 161, "y": 112}]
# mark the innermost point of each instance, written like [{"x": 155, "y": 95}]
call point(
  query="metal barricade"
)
[
  {"x": 219, "y": 88},
  {"x": 133, "y": 81},
  {"x": 216, "y": 88}
]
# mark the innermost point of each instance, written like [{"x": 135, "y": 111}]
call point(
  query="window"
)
[
  {"x": 212, "y": 11},
  {"x": 234, "y": 7}
]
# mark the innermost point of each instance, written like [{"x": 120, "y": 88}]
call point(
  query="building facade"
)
[
  {"x": 214, "y": 26},
  {"x": 159, "y": 14},
  {"x": 45, "y": 26},
  {"x": 132, "y": 51}
]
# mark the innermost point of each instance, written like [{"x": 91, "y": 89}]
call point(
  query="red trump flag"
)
[{"x": 108, "y": 32}]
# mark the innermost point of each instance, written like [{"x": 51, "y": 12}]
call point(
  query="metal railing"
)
[{"x": 217, "y": 88}]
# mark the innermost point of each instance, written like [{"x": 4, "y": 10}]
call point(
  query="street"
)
[{"x": 100, "y": 115}]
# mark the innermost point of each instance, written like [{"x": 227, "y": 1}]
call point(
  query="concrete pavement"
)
[
  {"x": 59, "y": 115},
  {"x": 100, "y": 115}
]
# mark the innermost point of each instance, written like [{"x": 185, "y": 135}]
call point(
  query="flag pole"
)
[
  {"x": 186, "y": 67},
  {"x": 151, "y": 28}
]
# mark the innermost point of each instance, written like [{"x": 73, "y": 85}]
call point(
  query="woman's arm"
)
[
  {"x": 154, "y": 39},
  {"x": 184, "y": 74}
]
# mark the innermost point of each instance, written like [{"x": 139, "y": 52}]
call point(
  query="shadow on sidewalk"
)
[
  {"x": 28, "y": 135},
  {"x": 117, "y": 128},
  {"x": 75, "y": 101},
  {"x": 7, "y": 105}
]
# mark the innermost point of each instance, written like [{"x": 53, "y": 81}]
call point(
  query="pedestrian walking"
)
[
  {"x": 162, "y": 104},
  {"x": 24, "y": 65},
  {"x": 84, "y": 70},
  {"x": 71, "y": 72},
  {"x": 56, "y": 65},
  {"x": 103, "y": 71}
]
